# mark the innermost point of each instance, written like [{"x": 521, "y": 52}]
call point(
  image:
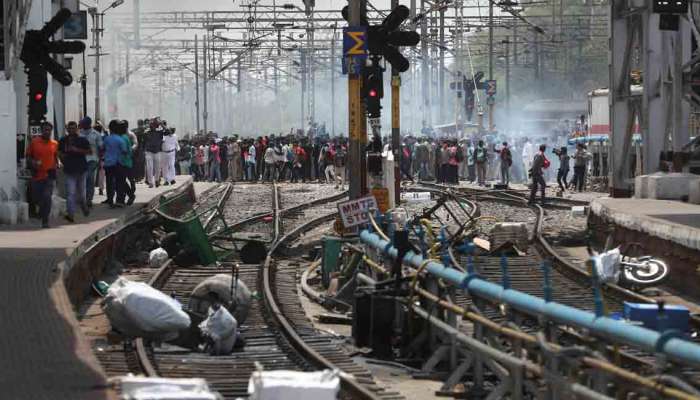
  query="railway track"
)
[
  {"x": 570, "y": 284},
  {"x": 277, "y": 332}
]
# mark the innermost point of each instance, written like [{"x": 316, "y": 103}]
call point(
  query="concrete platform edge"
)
[
  {"x": 59, "y": 293},
  {"x": 679, "y": 234}
]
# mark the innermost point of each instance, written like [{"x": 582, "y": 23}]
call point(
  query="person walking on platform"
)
[
  {"x": 539, "y": 164},
  {"x": 506, "y": 162},
  {"x": 126, "y": 164},
  {"x": 42, "y": 157},
  {"x": 154, "y": 142},
  {"x": 169, "y": 148},
  {"x": 115, "y": 149},
  {"x": 73, "y": 150},
  {"x": 93, "y": 159}
]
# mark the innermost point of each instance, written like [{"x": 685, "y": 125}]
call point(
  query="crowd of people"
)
[
  {"x": 264, "y": 159},
  {"x": 115, "y": 159},
  {"x": 477, "y": 161},
  {"x": 111, "y": 159}
]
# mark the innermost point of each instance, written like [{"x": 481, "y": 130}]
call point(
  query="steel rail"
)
[
  {"x": 562, "y": 265},
  {"x": 352, "y": 387},
  {"x": 608, "y": 328},
  {"x": 166, "y": 270},
  {"x": 515, "y": 334}
]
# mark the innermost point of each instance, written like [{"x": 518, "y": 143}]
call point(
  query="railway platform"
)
[
  {"x": 668, "y": 229},
  {"x": 44, "y": 355}
]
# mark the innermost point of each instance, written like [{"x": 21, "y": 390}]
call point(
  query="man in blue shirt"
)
[
  {"x": 115, "y": 149},
  {"x": 95, "y": 140}
]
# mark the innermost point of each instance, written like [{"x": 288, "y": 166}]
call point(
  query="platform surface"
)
[
  {"x": 675, "y": 221},
  {"x": 43, "y": 353}
]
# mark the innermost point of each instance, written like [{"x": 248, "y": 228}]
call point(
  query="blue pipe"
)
[{"x": 614, "y": 330}]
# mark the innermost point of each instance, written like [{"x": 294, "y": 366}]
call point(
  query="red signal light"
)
[
  {"x": 38, "y": 96},
  {"x": 372, "y": 93}
]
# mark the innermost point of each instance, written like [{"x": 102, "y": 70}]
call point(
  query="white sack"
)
[
  {"x": 142, "y": 388},
  {"x": 221, "y": 327},
  {"x": 157, "y": 257},
  {"x": 136, "y": 308},
  {"x": 221, "y": 285},
  {"x": 294, "y": 385},
  {"x": 608, "y": 266}
]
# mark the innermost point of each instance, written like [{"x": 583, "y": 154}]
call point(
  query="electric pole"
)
[
  {"x": 196, "y": 80},
  {"x": 491, "y": 100},
  {"x": 357, "y": 122},
  {"x": 396, "y": 125}
]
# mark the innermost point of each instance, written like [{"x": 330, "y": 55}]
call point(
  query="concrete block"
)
[
  {"x": 673, "y": 186},
  {"x": 579, "y": 211},
  {"x": 641, "y": 186},
  {"x": 58, "y": 206},
  {"x": 514, "y": 232},
  {"x": 8, "y": 213},
  {"x": 22, "y": 212},
  {"x": 694, "y": 192}
]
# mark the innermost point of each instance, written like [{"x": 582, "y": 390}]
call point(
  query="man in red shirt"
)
[{"x": 42, "y": 158}]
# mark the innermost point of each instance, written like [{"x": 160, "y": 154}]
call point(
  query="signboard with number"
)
[
  {"x": 491, "y": 88},
  {"x": 34, "y": 130},
  {"x": 354, "y": 49},
  {"x": 356, "y": 212}
]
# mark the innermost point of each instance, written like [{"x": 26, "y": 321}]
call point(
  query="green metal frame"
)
[{"x": 180, "y": 217}]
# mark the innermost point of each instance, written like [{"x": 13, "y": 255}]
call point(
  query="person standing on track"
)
[
  {"x": 539, "y": 164},
  {"x": 251, "y": 159},
  {"x": 214, "y": 162},
  {"x": 506, "y": 162},
  {"x": 563, "y": 171},
  {"x": 581, "y": 158},
  {"x": 481, "y": 158},
  {"x": 42, "y": 157},
  {"x": 73, "y": 150}
]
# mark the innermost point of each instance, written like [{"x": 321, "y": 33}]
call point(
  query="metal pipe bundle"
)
[{"x": 654, "y": 342}]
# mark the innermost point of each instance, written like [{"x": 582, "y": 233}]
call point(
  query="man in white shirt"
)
[
  {"x": 168, "y": 152},
  {"x": 528, "y": 156},
  {"x": 250, "y": 163}
]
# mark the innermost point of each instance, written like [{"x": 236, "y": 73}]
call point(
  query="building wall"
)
[
  {"x": 13, "y": 103},
  {"x": 8, "y": 136}
]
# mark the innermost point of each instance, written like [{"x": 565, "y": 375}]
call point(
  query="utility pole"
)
[
  {"x": 206, "y": 78},
  {"x": 396, "y": 123},
  {"x": 506, "y": 42},
  {"x": 96, "y": 33},
  {"x": 441, "y": 71},
  {"x": 196, "y": 79},
  {"x": 357, "y": 122},
  {"x": 425, "y": 77},
  {"x": 459, "y": 76},
  {"x": 491, "y": 101},
  {"x": 304, "y": 83},
  {"x": 333, "y": 83}
]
